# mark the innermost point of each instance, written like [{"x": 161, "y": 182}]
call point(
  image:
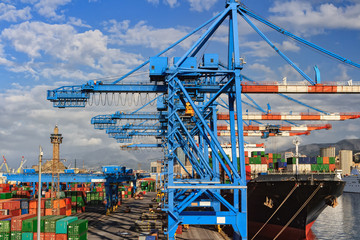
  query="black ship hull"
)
[{"x": 286, "y": 206}]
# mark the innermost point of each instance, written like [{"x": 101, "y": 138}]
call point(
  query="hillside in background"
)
[{"x": 313, "y": 150}]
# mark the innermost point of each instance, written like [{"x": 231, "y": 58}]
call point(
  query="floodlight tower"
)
[
  {"x": 296, "y": 142},
  {"x": 56, "y": 140}
]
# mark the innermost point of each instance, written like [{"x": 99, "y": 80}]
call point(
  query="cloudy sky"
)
[{"x": 45, "y": 44}]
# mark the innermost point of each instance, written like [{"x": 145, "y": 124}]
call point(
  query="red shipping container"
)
[
  {"x": 15, "y": 212},
  {"x": 248, "y": 172},
  {"x": 16, "y": 222},
  {"x": 50, "y": 236},
  {"x": 4, "y": 217},
  {"x": 61, "y": 237},
  {"x": 11, "y": 205},
  {"x": 67, "y": 201},
  {"x": 62, "y": 211},
  {"x": 34, "y": 211},
  {"x": 42, "y": 236}
]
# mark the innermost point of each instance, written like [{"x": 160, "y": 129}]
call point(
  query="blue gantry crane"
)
[{"x": 189, "y": 110}]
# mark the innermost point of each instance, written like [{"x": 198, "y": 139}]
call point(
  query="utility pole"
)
[{"x": 39, "y": 197}]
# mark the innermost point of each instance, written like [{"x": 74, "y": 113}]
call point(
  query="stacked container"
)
[
  {"x": 50, "y": 227},
  {"x": 5, "y": 227},
  {"x": 61, "y": 228},
  {"x": 312, "y": 164},
  {"x": 16, "y": 225},
  {"x": 33, "y": 205},
  {"x": 12, "y": 206},
  {"x": 77, "y": 230},
  {"x": 77, "y": 201}
]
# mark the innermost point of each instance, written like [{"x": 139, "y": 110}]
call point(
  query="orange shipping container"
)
[
  {"x": 325, "y": 160},
  {"x": 49, "y": 212},
  {"x": 56, "y": 203},
  {"x": 62, "y": 203},
  {"x": 332, "y": 167},
  {"x": 50, "y": 236},
  {"x": 42, "y": 236},
  {"x": 68, "y": 212},
  {"x": 34, "y": 203},
  {"x": 61, "y": 237}
]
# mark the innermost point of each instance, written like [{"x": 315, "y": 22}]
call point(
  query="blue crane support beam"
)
[{"x": 242, "y": 9}]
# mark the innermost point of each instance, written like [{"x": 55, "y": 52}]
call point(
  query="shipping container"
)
[
  {"x": 27, "y": 236},
  {"x": 78, "y": 237},
  {"x": 61, "y": 236},
  {"x": 50, "y": 224},
  {"x": 16, "y": 222},
  {"x": 77, "y": 227},
  {"x": 62, "y": 224},
  {"x": 16, "y": 235}
]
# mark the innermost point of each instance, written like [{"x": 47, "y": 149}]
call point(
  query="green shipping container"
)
[
  {"x": 331, "y": 160},
  {"x": 15, "y": 235},
  {"x": 81, "y": 237},
  {"x": 6, "y": 195},
  {"x": 62, "y": 224},
  {"x": 27, "y": 236},
  {"x": 5, "y": 226},
  {"x": 48, "y": 203},
  {"x": 4, "y": 236},
  {"x": 77, "y": 227},
  {"x": 50, "y": 224},
  {"x": 30, "y": 225},
  {"x": 314, "y": 167},
  {"x": 319, "y": 160}
]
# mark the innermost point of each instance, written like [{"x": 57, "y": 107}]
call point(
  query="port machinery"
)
[
  {"x": 111, "y": 176},
  {"x": 190, "y": 112}
]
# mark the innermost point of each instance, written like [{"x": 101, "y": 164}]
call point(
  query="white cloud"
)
[
  {"x": 3, "y": 60},
  {"x": 289, "y": 46},
  {"x": 195, "y": 5},
  {"x": 309, "y": 18},
  {"x": 153, "y": 1},
  {"x": 171, "y": 3},
  {"x": 201, "y": 5},
  {"x": 48, "y": 8},
  {"x": 144, "y": 35},
  {"x": 11, "y": 14},
  {"x": 59, "y": 50},
  {"x": 77, "y": 22},
  {"x": 261, "y": 67}
]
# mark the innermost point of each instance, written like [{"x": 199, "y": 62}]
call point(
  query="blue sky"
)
[{"x": 49, "y": 43}]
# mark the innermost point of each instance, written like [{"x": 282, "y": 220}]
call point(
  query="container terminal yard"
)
[{"x": 202, "y": 188}]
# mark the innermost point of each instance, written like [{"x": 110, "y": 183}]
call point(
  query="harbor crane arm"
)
[
  {"x": 5, "y": 163},
  {"x": 242, "y": 9}
]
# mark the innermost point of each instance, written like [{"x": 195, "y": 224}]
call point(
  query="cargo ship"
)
[
  {"x": 286, "y": 195},
  {"x": 285, "y": 206}
]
